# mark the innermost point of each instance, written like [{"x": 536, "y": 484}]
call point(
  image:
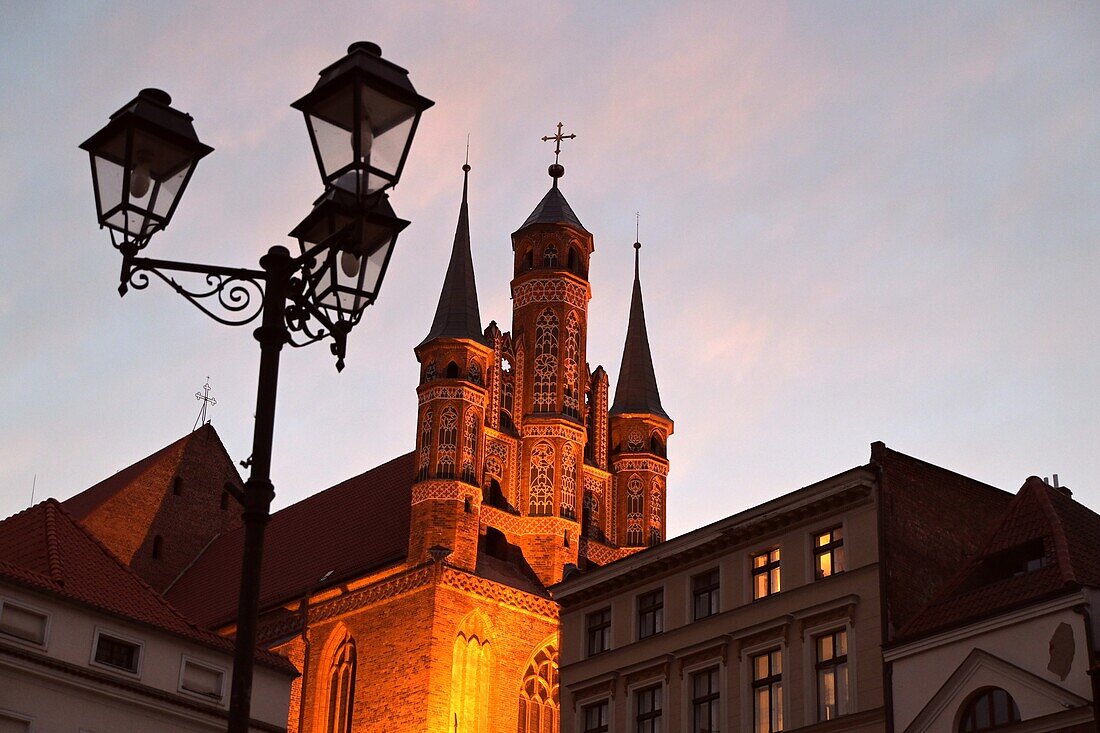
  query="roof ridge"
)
[{"x": 53, "y": 549}]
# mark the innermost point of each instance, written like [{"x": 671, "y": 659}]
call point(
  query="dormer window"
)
[
  {"x": 1024, "y": 558},
  {"x": 115, "y": 652},
  {"x": 23, "y": 623},
  {"x": 202, "y": 679}
]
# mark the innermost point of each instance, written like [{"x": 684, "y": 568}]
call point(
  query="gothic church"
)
[{"x": 413, "y": 597}]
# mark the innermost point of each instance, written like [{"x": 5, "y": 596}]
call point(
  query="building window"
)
[
  {"x": 448, "y": 439},
  {"x": 704, "y": 702},
  {"x": 425, "y": 445},
  {"x": 538, "y": 700},
  {"x": 111, "y": 651},
  {"x": 546, "y": 362},
  {"x": 542, "y": 479},
  {"x": 341, "y": 687},
  {"x": 598, "y": 627},
  {"x": 648, "y": 710},
  {"x": 634, "y": 501},
  {"x": 596, "y": 717},
  {"x": 767, "y": 692},
  {"x": 765, "y": 573},
  {"x": 651, "y": 611},
  {"x": 704, "y": 594},
  {"x": 568, "y": 481},
  {"x": 469, "y": 446},
  {"x": 471, "y": 663},
  {"x": 571, "y": 372},
  {"x": 24, "y": 624},
  {"x": 989, "y": 708},
  {"x": 828, "y": 553},
  {"x": 202, "y": 679},
  {"x": 832, "y": 675}
]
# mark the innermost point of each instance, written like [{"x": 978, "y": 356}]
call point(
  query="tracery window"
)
[
  {"x": 469, "y": 447},
  {"x": 448, "y": 437},
  {"x": 538, "y": 697},
  {"x": 341, "y": 688},
  {"x": 550, "y": 256},
  {"x": 475, "y": 372},
  {"x": 592, "y": 515},
  {"x": 546, "y": 361},
  {"x": 634, "y": 500},
  {"x": 570, "y": 369},
  {"x": 425, "y": 445},
  {"x": 634, "y": 441},
  {"x": 429, "y": 371},
  {"x": 542, "y": 479},
  {"x": 655, "y": 512},
  {"x": 568, "y": 481},
  {"x": 470, "y": 667}
]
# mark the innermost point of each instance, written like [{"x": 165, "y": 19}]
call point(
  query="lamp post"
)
[{"x": 361, "y": 116}]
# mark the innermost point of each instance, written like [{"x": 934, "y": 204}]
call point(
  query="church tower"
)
[
  {"x": 550, "y": 294},
  {"x": 639, "y": 428},
  {"x": 452, "y": 398}
]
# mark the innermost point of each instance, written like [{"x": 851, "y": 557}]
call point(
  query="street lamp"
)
[{"x": 361, "y": 116}]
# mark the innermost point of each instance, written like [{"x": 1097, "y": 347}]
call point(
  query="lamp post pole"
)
[{"x": 361, "y": 116}]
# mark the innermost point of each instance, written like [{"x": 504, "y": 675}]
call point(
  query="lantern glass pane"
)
[
  {"x": 108, "y": 180},
  {"x": 375, "y": 261},
  {"x": 169, "y": 190},
  {"x": 333, "y": 145},
  {"x": 391, "y": 124}
]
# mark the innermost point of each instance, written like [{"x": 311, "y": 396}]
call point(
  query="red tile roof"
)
[
  {"x": 356, "y": 526},
  {"x": 44, "y": 549},
  {"x": 1068, "y": 534}
]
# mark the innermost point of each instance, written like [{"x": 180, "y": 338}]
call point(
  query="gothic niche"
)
[{"x": 470, "y": 669}]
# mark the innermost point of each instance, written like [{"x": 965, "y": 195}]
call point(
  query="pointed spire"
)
[
  {"x": 636, "y": 391},
  {"x": 457, "y": 315}
]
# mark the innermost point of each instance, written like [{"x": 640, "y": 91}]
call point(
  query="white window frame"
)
[
  {"x": 809, "y": 663},
  {"x": 19, "y": 603},
  {"x": 582, "y": 703},
  {"x": 632, "y": 698},
  {"x": 104, "y": 631},
  {"x": 186, "y": 659},
  {"x": 688, "y": 691},
  {"x": 747, "y": 678},
  {"x": 784, "y": 578},
  {"x": 20, "y": 717},
  {"x": 811, "y": 545}
]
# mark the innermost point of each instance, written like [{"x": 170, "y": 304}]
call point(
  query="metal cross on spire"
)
[
  {"x": 207, "y": 401},
  {"x": 557, "y": 141}
]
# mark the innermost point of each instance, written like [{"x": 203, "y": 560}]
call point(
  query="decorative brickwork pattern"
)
[{"x": 545, "y": 290}]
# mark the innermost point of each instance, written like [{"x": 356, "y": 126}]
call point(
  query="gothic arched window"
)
[
  {"x": 571, "y": 371},
  {"x": 542, "y": 479},
  {"x": 988, "y": 708},
  {"x": 470, "y": 667},
  {"x": 469, "y": 447},
  {"x": 425, "y": 445},
  {"x": 655, "y": 504},
  {"x": 538, "y": 696},
  {"x": 546, "y": 361},
  {"x": 591, "y": 515},
  {"x": 448, "y": 437},
  {"x": 568, "y": 481},
  {"x": 475, "y": 372},
  {"x": 550, "y": 256},
  {"x": 634, "y": 501},
  {"x": 507, "y": 392},
  {"x": 429, "y": 371},
  {"x": 341, "y": 688}
]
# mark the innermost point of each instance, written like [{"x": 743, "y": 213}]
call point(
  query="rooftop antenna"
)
[
  {"x": 467, "y": 149},
  {"x": 206, "y": 400},
  {"x": 34, "y": 483}
]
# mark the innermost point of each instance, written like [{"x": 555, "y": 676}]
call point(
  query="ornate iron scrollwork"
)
[{"x": 232, "y": 297}]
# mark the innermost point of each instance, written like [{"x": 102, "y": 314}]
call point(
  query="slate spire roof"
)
[
  {"x": 554, "y": 209},
  {"x": 636, "y": 391},
  {"x": 457, "y": 315}
]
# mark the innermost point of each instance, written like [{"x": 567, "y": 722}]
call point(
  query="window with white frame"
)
[
  {"x": 828, "y": 553},
  {"x": 202, "y": 679},
  {"x": 767, "y": 692},
  {"x": 647, "y": 706},
  {"x": 832, "y": 674},
  {"x": 23, "y": 623},
  {"x": 595, "y": 717},
  {"x": 705, "y": 699},
  {"x": 115, "y": 652}
]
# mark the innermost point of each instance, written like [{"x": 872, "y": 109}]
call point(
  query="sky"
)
[{"x": 860, "y": 222}]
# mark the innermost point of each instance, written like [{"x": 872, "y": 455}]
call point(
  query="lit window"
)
[
  {"x": 765, "y": 573},
  {"x": 704, "y": 702},
  {"x": 704, "y": 593},
  {"x": 828, "y": 553},
  {"x": 767, "y": 692},
  {"x": 111, "y": 651},
  {"x": 598, "y": 625},
  {"x": 649, "y": 710},
  {"x": 539, "y": 705},
  {"x": 989, "y": 708},
  {"x": 832, "y": 675},
  {"x": 202, "y": 679},
  {"x": 19, "y": 622},
  {"x": 651, "y": 613},
  {"x": 596, "y": 717}
]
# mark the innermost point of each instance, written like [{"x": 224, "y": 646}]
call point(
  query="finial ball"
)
[
  {"x": 556, "y": 170},
  {"x": 466, "y": 167},
  {"x": 372, "y": 48},
  {"x": 637, "y": 245}
]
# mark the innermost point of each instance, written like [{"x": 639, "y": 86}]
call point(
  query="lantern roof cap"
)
[
  {"x": 457, "y": 315},
  {"x": 151, "y": 108},
  {"x": 365, "y": 59},
  {"x": 636, "y": 390}
]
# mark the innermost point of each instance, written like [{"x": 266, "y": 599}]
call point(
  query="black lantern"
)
[
  {"x": 141, "y": 162},
  {"x": 345, "y": 250},
  {"x": 362, "y": 116}
]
